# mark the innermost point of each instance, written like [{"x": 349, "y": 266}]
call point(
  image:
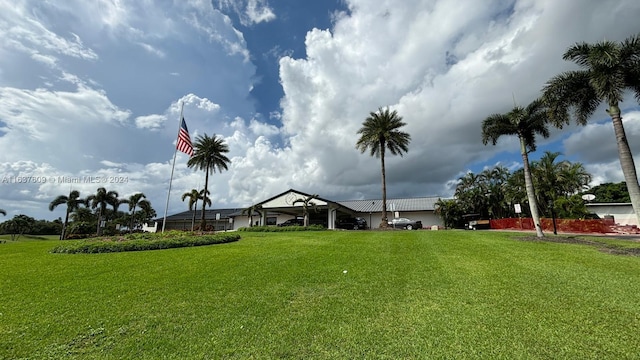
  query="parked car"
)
[
  {"x": 351, "y": 223},
  {"x": 293, "y": 222},
  {"x": 404, "y": 223}
]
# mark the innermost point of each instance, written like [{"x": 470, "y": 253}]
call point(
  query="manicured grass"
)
[{"x": 406, "y": 294}]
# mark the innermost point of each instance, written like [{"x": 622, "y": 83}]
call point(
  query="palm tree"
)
[
  {"x": 252, "y": 210},
  {"x": 194, "y": 195},
  {"x": 306, "y": 204},
  {"x": 208, "y": 155},
  {"x": 525, "y": 122},
  {"x": 73, "y": 202},
  {"x": 609, "y": 69},
  {"x": 100, "y": 200},
  {"x": 379, "y": 132},
  {"x": 134, "y": 201}
]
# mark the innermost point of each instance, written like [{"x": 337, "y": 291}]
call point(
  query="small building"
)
[
  {"x": 321, "y": 211},
  {"x": 622, "y": 213}
]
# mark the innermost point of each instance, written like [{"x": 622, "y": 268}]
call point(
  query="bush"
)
[
  {"x": 78, "y": 236},
  {"x": 144, "y": 241},
  {"x": 282, "y": 228}
]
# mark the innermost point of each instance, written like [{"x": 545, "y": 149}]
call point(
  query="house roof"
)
[
  {"x": 401, "y": 204},
  {"x": 209, "y": 214},
  {"x": 362, "y": 206}
]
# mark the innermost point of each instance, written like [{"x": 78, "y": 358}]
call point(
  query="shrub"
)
[
  {"x": 282, "y": 228},
  {"x": 144, "y": 241}
]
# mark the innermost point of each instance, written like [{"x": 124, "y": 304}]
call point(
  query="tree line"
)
[
  {"x": 96, "y": 213},
  {"x": 495, "y": 193},
  {"x": 607, "y": 71}
]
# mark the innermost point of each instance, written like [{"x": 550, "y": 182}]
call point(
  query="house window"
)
[{"x": 272, "y": 220}]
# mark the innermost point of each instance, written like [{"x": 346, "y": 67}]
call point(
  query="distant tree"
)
[
  {"x": 495, "y": 183},
  {"x": 134, "y": 201},
  {"x": 146, "y": 212},
  {"x": 609, "y": 70},
  {"x": 450, "y": 211},
  {"x": 209, "y": 155},
  {"x": 515, "y": 191},
  {"x": 72, "y": 202},
  {"x": 250, "y": 211},
  {"x": 526, "y": 123},
  {"x": 307, "y": 203},
  {"x": 610, "y": 193},
  {"x": 193, "y": 196},
  {"x": 18, "y": 226},
  {"x": 559, "y": 180},
  {"x": 470, "y": 191},
  {"x": 572, "y": 207},
  {"x": 99, "y": 201},
  {"x": 379, "y": 132}
]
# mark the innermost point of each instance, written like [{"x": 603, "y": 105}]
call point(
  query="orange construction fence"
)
[{"x": 562, "y": 225}]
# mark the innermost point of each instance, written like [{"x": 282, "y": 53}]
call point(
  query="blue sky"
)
[{"x": 93, "y": 89}]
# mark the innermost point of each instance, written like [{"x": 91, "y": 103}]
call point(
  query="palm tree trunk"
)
[
  {"x": 133, "y": 213},
  {"x": 626, "y": 160},
  {"x": 383, "y": 223},
  {"x": 193, "y": 217},
  {"x": 98, "y": 229},
  {"x": 203, "y": 221},
  {"x": 531, "y": 195},
  {"x": 64, "y": 226}
]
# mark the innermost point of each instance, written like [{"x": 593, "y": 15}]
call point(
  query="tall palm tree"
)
[
  {"x": 134, "y": 201},
  {"x": 379, "y": 132},
  {"x": 73, "y": 202},
  {"x": 525, "y": 122},
  {"x": 250, "y": 211},
  {"x": 100, "y": 200},
  {"x": 307, "y": 203},
  {"x": 609, "y": 69},
  {"x": 208, "y": 155}
]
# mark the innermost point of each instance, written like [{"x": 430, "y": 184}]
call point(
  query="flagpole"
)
[{"x": 166, "y": 208}]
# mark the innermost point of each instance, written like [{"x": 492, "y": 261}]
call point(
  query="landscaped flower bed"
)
[{"x": 143, "y": 241}]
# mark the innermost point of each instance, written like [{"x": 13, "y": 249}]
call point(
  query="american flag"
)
[{"x": 184, "y": 140}]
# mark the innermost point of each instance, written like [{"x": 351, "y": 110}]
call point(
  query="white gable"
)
[{"x": 287, "y": 199}]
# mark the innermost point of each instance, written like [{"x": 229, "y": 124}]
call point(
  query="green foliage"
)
[
  {"x": 451, "y": 211},
  {"x": 610, "y": 193},
  {"x": 281, "y": 228},
  {"x": 17, "y": 226},
  {"x": 572, "y": 207},
  {"x": 144, "y": 241},
  {"x": 493, "y": 193}
]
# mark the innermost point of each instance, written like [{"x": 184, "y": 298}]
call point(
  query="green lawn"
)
[{"x": 405, "y": 295}]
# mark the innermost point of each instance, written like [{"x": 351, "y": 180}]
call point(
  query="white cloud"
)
[
  {"x": 151, "y": 122},
  {"x": 249, "y": 11},
  {"x": 444, "y": 66}
]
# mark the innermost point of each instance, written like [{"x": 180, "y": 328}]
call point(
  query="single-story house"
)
[
  {"x": 289, "y": 205},
  {"x": 622, "y": 213}
]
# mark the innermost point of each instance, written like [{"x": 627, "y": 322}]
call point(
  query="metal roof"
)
[
  {"x": 362, "y": 206},
  {"x": 209, "y": 214},
  {"x": 402, "y": 204}
]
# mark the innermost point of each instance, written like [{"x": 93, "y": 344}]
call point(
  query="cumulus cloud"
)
[
  {"x": 443, "y": 66},
  {"x": 99, "y": 94}
]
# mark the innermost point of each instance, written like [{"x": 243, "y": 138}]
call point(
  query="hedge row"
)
[
  {"x": 120, "y": 244},
  {"x": 282, "y": 228}
]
